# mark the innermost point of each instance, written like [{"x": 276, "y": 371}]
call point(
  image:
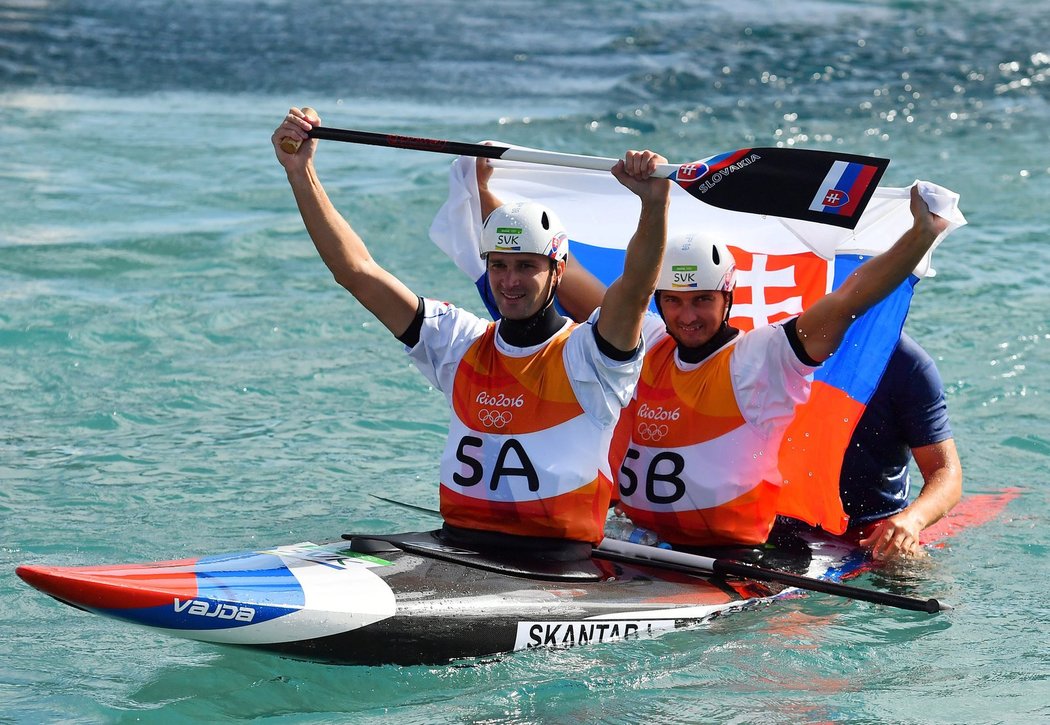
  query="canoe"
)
[
  {"x": 416, "y": 599},
  {"x": 411, "y": 598}
]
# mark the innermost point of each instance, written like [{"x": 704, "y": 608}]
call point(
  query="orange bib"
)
[
  {"x": 691, "y": 468},
  {"x": 522, "y": 456}
]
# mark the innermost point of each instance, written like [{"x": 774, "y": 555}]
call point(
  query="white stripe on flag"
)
[{"x": 834, "y": 174}]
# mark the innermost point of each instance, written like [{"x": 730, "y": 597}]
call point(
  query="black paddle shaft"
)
[
  {"x": 742, "y": 569},
  {"x": 416, "y": 143},
  {"x": 782, "y": 182},
  {"x": 749, "y": 571}
]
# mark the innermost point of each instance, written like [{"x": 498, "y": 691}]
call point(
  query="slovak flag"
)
[
  {"x": 842, "y": 188},
  {"x": 783, "y": 266}
]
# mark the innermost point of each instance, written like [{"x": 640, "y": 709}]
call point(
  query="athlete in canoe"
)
[
  {"x": 697, "y": 449},
  {"x": 534, "y": 397}
]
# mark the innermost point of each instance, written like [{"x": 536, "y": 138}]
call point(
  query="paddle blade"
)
[{"x": 816, "y": 186}]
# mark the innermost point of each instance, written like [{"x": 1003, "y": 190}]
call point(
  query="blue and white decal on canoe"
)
[{"x": 338, "y": 594}]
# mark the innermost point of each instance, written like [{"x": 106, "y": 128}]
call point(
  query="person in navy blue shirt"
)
[{"x": 906, "y": 417}]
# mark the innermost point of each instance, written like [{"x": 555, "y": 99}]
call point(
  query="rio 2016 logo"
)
[
  {"x": 507, "y": 238},
  {"x": 683, "y": 276},
  {"x": 658, "y": 413},
  {"x": 651, "y": 431},
  {"x": 500, "y": 400}
]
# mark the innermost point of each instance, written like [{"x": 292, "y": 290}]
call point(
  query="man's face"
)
[
  {"x": 693, "y": 318},
  {"x": 520, "y": 282}
]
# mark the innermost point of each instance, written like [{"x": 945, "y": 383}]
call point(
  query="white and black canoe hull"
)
[{"x": 411, "y": 599}]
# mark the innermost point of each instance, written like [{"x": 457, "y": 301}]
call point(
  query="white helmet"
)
[
  {"x": 524, "y": 226},
  {"x": 694, "y": 262}
]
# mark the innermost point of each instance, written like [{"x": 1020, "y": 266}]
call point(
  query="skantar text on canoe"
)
[{"x": 568, "y": 634}]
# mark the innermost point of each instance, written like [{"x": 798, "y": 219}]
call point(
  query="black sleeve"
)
[
  {"x": 410, "y": 337},
  {"x": 791, "y": 330},
  {"x": 609, "y": 350}
]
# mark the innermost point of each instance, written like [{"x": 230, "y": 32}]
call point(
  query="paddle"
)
[
  {"x": 818, "y": 186},
  {"x": 624, "y": 551},
  {"x": 410, "y": 506}
]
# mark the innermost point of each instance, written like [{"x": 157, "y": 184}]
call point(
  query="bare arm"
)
[
  {"x": 941, "y": 490},
  {"x": 343, "y": 251},
  {"x": 625, "y": 302},
  {"x": 580, "y": 292},
  {"x": 489, "y": 201},
  {"x": 823, "y": 325},
  {"x": 942, "y": 481}
]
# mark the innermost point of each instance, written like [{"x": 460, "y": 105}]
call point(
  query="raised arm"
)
[
  {"x": 489, "y": 201},
  {"x": 823, "y": 325},
  {"x": 625, "y": 302},
  {"x": 343, "y": 251}
]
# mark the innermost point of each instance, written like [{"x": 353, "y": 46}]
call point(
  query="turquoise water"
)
[{"x": 180, "y": 375}]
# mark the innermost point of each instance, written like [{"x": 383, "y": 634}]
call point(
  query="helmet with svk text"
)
[
  {"x": 694, "y": 262},
  {"x": 524, "y": 227}
]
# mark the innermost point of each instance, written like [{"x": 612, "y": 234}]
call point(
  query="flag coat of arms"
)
[{"x": 783, "y": 266}]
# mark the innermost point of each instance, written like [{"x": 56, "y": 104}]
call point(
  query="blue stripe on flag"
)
[
  {"x": 845, "y": 184},
  {"x": 858, "y": 364},
  {"x": 604, "y": 263},
  {"x": 485, "y": 292}
]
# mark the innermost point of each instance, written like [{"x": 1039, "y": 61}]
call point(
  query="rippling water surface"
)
[{"x": 179, "y": 374}]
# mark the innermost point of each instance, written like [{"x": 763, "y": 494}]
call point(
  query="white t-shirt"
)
[
  {"x": 768, "y": 378},
  {"x": 602, "y": 386}
]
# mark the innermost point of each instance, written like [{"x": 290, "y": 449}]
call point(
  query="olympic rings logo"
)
[
  {"x": 495, "y": 418},
  {"x": 651, "y": 431}
]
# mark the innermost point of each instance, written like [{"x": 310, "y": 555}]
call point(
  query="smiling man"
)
[
  {"x": 534, "y": 396},
  {"x": 697, "y": 449}
]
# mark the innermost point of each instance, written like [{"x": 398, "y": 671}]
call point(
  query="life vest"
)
[
  {"x": 522, "y": 456},
  {"x": 693, "y": 469}
]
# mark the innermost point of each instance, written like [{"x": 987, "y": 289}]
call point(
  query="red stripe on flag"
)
[
  {"x": 856, "y": 192},
  {"x": 972, "y": 511},
  {"x": 811, "y": 457}
]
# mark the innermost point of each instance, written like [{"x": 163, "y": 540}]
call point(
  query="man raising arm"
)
[
  {"x": 697, "y": 450},
  {"x": 534, "y": 397}
]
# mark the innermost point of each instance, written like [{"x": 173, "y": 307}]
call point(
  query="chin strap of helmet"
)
[{"x": 729, "y": 306}]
